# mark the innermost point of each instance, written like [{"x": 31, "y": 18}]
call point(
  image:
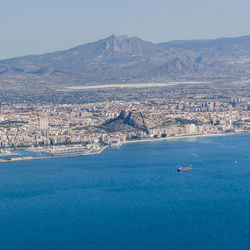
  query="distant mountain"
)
[
  {"x": 130, "y": 59},
  {"x": 239, "y": 46},
  {"x": 224, "y": 52}
]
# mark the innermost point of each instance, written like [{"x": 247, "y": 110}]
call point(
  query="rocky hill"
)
[{"x": 129, "y": 121}]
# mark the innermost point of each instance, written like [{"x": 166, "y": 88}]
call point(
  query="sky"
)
[{"x": 40, "y": 26}]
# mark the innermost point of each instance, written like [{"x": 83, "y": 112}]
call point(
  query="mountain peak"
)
[
  {"x": 120, "y": 37},
  {"x": 126, "y": 44},
  {"x": 123, "y": 37}
]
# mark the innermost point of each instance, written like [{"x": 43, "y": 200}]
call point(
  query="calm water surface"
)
[{"x": 131, "y": 198}]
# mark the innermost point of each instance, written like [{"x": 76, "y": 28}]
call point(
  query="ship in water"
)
[{"x": 180, "y": 169}]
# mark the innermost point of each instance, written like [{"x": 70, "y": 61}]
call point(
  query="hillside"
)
[
  {"x": 129, "y": 121},
  {"x": 119, "y": 59}
]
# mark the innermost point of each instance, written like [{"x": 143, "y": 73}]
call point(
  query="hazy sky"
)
[{"x": 38, "y": 26}]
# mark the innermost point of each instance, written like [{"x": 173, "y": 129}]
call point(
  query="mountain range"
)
[{"x": 123, "y": 59}]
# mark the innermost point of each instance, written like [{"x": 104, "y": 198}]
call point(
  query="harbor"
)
[
  {"x": 54, "y": 155},
  {"x": 62, "y": 151}
]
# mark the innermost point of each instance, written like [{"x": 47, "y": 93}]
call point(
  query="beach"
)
[{"x": 177, "y": 138}]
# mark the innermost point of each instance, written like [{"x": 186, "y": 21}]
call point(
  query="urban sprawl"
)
[{"x": 89, "y": 127}]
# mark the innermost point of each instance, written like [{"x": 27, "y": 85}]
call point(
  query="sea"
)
[{"x": 131, "y": 197}]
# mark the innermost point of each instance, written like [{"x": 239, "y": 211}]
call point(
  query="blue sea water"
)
[{"x": 131, "y": 197}]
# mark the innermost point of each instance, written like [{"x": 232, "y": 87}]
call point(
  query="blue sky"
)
[{"x": 39, "y": 26}]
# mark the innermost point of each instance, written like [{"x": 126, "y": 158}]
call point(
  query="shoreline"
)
[
  {"x": 30, "y": 158},
  {"x": 54, "y": 156},
  {"x": 180, "y": 137}
]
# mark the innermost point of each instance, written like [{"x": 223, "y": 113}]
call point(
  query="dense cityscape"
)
[{"x": 89, "y": 126}]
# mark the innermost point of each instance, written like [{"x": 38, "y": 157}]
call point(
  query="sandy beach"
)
[{"x": 178, "y": 138}]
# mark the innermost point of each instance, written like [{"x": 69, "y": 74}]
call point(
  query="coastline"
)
[
  {"x": 123, "y": 143},
  {"x": 55, "y": 156},
  {"x": 179, "y": 137}
]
